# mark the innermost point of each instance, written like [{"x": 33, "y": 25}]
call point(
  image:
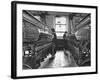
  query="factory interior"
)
[{"x": 56, "y": 39}]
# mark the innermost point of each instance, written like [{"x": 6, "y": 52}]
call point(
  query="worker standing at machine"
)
[
  {"x": 54, "y": 43},
  {"x": 65, "y": 42}
]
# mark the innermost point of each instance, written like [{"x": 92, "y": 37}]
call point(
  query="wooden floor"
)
[{"x": 61, "y": 60}]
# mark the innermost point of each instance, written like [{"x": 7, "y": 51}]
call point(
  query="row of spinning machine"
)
[
  {"x": 37, "y": 41},
  {"x": 81, "y": 41}
]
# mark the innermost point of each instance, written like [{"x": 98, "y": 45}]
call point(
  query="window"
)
[{"x": 60, "y": 24}]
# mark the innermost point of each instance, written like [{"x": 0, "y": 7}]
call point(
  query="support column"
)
[{"x": 71, "y": 24}]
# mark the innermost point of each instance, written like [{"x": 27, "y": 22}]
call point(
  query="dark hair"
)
[
  {"x": 53, "y": 30},
  {"x": 65, "y": 31}
]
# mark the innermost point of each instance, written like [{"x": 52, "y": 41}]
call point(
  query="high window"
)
[{"x": 60, "y": 26}]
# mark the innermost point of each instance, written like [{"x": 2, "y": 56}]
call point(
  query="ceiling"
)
[{"x": 37, "y": 13}]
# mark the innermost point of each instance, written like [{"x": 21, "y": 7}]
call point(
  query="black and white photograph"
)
[{"x": 54, "y": 39}]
